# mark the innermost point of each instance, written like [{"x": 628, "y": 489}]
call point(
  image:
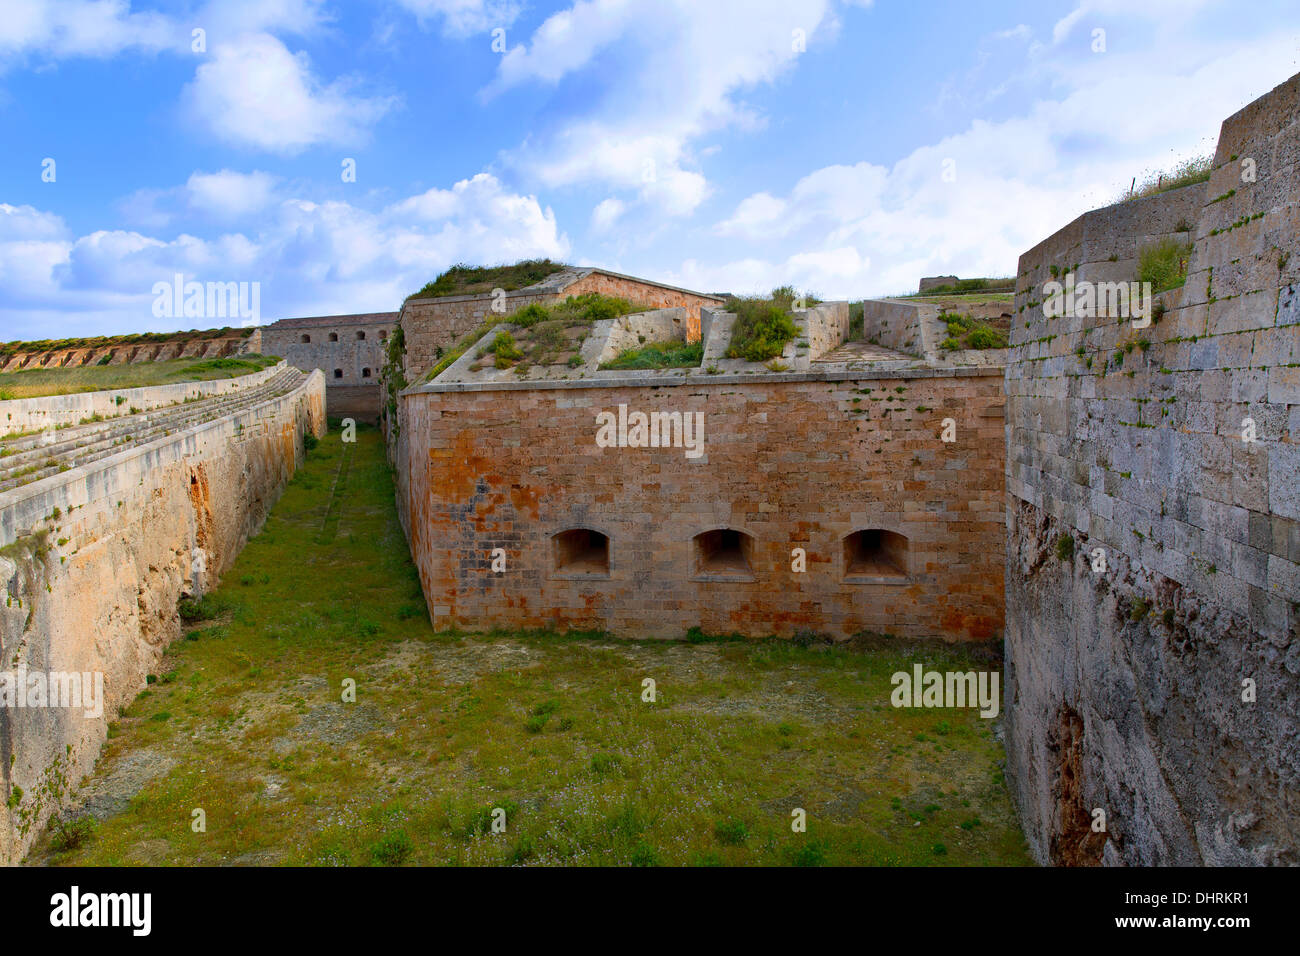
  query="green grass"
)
[
  {"x": 31, "y": 383},
  {"x": 550, "y": 729},
  {"x": 547, "y": 334},
  {"x": 1164, "y": 264},
  {"x": 659, "y": 355},
  {"x": 966, "y": 332},
  {"x": 462, "y": 279},
  {"x": 1000, "y": 286},
  {"x": 763, "y": 326}
]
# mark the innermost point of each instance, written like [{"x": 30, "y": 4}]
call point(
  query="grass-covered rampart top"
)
[
  {"x": 546, "y": 334},
  {"x": 1002, "y": 284},
  {"x": 33, "y": 383},
  {"x": 462, "y": 279},
  {"x": 1186, "y": 173},
  {"x": 107, "y": 341},
  {"x": 764, "y": 326}
]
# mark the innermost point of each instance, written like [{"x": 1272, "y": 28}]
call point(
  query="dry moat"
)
[{"x": 246, "y": 721}]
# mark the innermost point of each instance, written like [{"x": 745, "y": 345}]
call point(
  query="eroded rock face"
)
[
  {"x": 1125, "y": 696},
  {"x": 95, "y": 589},
  {"x": 1160, "y": 685}
]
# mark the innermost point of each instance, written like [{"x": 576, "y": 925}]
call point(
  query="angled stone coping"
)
[
  {"x": 22, "y": 414},
  {"x": 829, "y": 372},
  {"x": 23, "y": 509}
]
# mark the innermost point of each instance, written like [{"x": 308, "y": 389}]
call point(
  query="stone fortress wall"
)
[
  {"x": 786, "y": 463},
  {"x": 902, "y": 532},
  {"x": 431, "y": 326},
  {"x": 348, "y": 349},
  {"x": 93, "y": 561},
  {"x": 1125, "y": 680}
]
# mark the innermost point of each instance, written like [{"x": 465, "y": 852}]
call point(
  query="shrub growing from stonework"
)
[
  {"x": 546, "y": 320},
  {"x": 1164, "y": 264},
  {"x": 763, "y": 327},
  {"x": 967, "y": 332}
]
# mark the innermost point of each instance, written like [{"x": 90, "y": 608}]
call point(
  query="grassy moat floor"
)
[{"x": 246, "y": 722}]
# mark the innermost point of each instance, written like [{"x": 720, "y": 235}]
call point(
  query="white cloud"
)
[
  {"x": 1164, "y": 13},
  {"x": 606, "y": 214},
  {"x": 464, "y": 17},
  {"x": 309, "y": 257},
  {"x": 253, "y": 92},
  {"x": 223, "y": 197},
  {"x": 93, "y": 28},
  {"x": 226, "y": 19},
  {"x": 230, "y": 195},
  {"x": 670, "y": 71},
  {"x": 104, "y": 28},
  {"x": 868, "y": 229}
]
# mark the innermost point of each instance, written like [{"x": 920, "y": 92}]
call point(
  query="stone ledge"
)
[{"x": 695, "y": 377}]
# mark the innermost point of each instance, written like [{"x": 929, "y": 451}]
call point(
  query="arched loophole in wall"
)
[
  {"x": 306, "y": 340},
  {"x": 338, "y": 373},
  {"x": 873, "y": 554},
  {"x": 334, "y": 336},
  {"x": 365, "y": 373},
  {"x": 361, "y": 335},
  {"x": 581, "y": 552},
  {"x": 724, "y": 553}
]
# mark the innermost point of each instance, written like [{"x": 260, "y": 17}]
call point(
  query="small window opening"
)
[
  {"x": 875, "y": 553},
  {"x": 581, "y": 552},
  {"x": 724, "y": 551},
  {"x": 338, "y": 373}
]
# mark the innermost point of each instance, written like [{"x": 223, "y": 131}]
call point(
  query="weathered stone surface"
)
[
  {"x": 348, "y": 349},
  {"x": 94, "y": 586},
  {"x": 1171, "y": 450},
  {"x": 790, "y": 459}
]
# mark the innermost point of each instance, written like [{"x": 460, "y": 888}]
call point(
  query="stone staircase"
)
[{"x": 33, "y": 457}]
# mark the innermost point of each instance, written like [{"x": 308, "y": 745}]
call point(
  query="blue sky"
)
[{"x": 717, "y": 144}]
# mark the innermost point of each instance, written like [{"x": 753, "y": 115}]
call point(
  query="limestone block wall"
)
[
  {"x": 908, "y": 327},
  {"x": 350, "y": 354},
  {"x": 1173, "y": 454},
  {"x": 94, "y": 586},
  {"x": 647, "y": 293},
  {"x": 25, "y": 414},
  {"x": 633, "y": 331},
  {"x": 1103, "y": 245},
  {"x": 431, "y": 326},
  {"x": 825, "y": 327},
  {"x": 359, "y": 402},
  {"x": 349, "y": 349},
  {"x": 792, "y": 460}
]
